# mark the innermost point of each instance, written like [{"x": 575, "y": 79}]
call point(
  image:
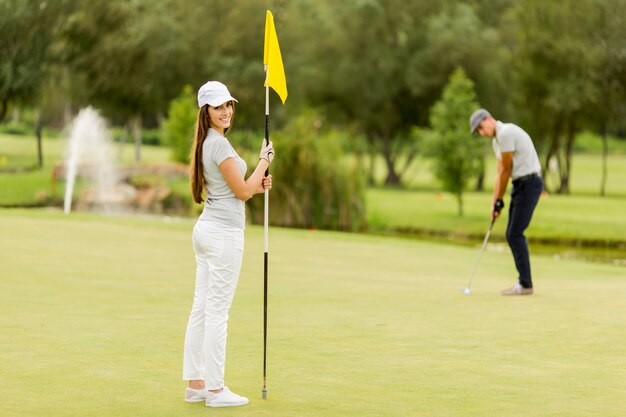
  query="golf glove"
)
[
  {"x": 498, "y": 205},
  {"x": 267, "y": 151}
]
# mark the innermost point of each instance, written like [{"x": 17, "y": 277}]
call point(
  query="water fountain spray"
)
[{"x": 90, "y": 151}]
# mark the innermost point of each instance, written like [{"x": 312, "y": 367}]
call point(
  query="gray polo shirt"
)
[
  {"x": 512, "y": 138},
  {"x": 221, "y": 205}
]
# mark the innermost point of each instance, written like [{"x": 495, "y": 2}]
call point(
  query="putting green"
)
[{"x": 93, "y": 312}]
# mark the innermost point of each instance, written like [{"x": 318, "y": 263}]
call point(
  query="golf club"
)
[{"x": 468, "y": 290}]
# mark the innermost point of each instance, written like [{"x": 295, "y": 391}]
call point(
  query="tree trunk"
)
[
  {"x": 136, "y": 132},
  {"x": 459, "y": 200},
  {"x": 15, "y": 115},
  {"x": 553, "y": 150},
  {"x": 38, "y": 134},
  {"x": 124, "y": 134},
  {"x": 3, "y": 109},
  {"x": 371, "y": 179},
  {"x": 67, "y": 113},
  {"x": 569, "y": 147},
  {"x": 392, "y": 176},
  {"x": 546, "y": 169},
  {"x": 407, "y": 163},
  {"x": 480, "y": 180},
  {"x": 605, "y": 154},
  {"x": 562, "y": 159}
]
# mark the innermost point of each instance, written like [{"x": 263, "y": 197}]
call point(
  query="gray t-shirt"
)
[
  {"x": 512, "y": 138},
  {"x": 221, "y": 205}
]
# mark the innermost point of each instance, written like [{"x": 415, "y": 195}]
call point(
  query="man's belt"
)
[{"x": 526, "y": 177}]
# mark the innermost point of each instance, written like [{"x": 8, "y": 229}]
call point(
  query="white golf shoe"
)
[
  {"x": 226, "y": 398},
  {"x": 196, "y": 395},
  {"x": 517, "y": 289}
]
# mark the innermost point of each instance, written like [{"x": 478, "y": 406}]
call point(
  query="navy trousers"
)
[{"x": 524, "y": 198}]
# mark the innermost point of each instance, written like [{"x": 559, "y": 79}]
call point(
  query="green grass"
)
[
  {"x": 583, "y": 215},
  {"x": 556, "y": 217},
  {"x": 93, "y": 311}
]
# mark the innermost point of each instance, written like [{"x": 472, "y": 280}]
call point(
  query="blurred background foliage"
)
[
  {"x": 371, "y": 70},
  {"x": 320, "y": 185}
]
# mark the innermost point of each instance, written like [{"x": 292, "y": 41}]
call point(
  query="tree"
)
[
  {"x": 610, "y": 111},
  {"x": 178, "y": 129},
  {"x": 127, "y": 58},
  {"x": 27, "y": 28},
  {"x": 456, "y": 37},
  {"x": 357, "y": 72},
  {"x": 555, "y": 71},
  {"x": 457, "y": 155},
  {"x": 382, "y": 69}
]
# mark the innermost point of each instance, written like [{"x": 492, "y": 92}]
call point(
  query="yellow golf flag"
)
[{"x": 273, "y": 59}]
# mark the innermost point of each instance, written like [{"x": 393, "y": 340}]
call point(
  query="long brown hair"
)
[{"x": 196, "y": 167}]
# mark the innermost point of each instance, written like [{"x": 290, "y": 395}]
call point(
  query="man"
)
[{"x": 517, "y": 159}]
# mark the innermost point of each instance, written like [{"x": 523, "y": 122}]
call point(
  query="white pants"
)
[{"x": 219, "y": 252}]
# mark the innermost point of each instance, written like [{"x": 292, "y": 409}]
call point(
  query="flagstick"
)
[{"x": 265, "y": 229}]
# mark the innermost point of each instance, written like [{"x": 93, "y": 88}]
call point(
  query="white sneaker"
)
[
  {"x": 517, "y": 289},
  {"x": 196, "y": 395},
  {"x": 226, "y": 398}
]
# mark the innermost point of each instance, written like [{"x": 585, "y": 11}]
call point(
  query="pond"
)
[{"x": 614, "y": 254}]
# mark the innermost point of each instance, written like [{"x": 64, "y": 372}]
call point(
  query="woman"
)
[{"x": 217, "y": 242}]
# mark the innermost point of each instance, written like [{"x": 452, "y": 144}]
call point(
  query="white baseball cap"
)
[{"x": 214, "y": 93}]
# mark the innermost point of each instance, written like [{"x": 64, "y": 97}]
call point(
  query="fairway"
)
[{"x": 93, "y": 311}]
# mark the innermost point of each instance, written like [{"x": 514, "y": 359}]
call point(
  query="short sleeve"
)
[
  {"x": 506, "y": 140},
  {"x": 221, "y": 151}
]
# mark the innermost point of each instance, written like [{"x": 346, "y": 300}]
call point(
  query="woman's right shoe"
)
[
  {"x": 196, "y": 395},
  {"x": 226, "y": 398}
]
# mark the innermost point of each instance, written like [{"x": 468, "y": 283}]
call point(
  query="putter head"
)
[{"x": 264, "y": 394}]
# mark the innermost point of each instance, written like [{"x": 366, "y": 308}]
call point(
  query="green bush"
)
[
  {"x": 315, "y": 186},
  {"x": 151, "y": 137},
  {"x": 178, "y": 129},
  {"x": 19, "y": 128}
]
